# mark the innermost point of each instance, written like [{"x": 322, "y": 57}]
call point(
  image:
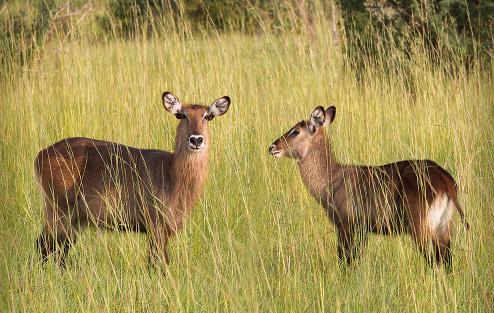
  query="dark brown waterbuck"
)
[
  {"x": 417, "y": 197},
  {"x": 109, "y": 185}
]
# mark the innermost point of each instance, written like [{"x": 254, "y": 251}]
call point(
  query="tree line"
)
[{"x": 461, "y": 27}]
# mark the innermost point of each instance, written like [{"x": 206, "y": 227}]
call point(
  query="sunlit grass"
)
[{"x": 256, "y": 241}]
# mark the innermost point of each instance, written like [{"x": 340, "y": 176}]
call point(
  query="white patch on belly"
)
[{"x": 440, "y": 213}]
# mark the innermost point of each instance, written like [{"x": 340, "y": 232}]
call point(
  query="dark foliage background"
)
[{"x": 368, "y": 28}]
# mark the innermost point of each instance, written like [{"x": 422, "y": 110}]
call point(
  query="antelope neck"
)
[
  {"x": 188, "y": 173},
  {"x": 318, "y": 167}
]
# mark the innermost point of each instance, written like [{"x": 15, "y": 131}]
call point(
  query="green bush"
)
[
  {"x": 133, "y": 16},
  {"x": 22, "y": 33},
  {"x": 464, "y": 27},
  {"x": 140, "y": 16}
]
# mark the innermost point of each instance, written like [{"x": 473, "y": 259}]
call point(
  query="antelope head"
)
[
  {"x": 192, "y": 131},
  {"x": 298, "y": 140}
]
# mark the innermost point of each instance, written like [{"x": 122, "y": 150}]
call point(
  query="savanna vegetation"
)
[{"x": 408, "y": 81}]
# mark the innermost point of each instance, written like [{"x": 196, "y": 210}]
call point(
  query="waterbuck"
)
[
  {"x": 109, "y": 185},
  {"x": 417, "y": 197}
]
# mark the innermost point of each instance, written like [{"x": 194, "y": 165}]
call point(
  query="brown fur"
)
[
  {"x": 93, "y": 182},
  {"x": 388, "y": 199}
]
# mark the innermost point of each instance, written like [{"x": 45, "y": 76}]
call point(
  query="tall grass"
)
[{"x": 256, "y": 241}]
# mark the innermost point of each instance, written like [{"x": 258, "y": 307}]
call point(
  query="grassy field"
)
[{"x": 256, "y": 242}]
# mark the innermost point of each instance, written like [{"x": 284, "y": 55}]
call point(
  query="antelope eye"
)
[
  {"x": 294, "y": 133},
  {"x": 208, "y": 117}
]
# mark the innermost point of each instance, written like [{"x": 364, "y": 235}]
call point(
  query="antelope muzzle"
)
[{"x": 196, "y": 142}]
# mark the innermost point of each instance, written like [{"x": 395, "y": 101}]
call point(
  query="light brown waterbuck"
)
[
  {"x": 417, "y": 197},
  {"x": 109, "y": 185}
]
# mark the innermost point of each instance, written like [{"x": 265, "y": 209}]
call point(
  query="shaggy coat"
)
[
  {"x": 417, "y": 197},
  {"x": 113, "y": 186}
]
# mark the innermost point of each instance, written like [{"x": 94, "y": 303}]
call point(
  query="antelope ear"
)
[
  {"x": 330, "y": 115},
  {"x": 218, "y": 107},
  {"x": 171, "y": 103},
  {"x": 316, "y": 120}
]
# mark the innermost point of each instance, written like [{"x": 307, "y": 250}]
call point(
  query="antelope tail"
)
[{"x": 460, "y": 211}]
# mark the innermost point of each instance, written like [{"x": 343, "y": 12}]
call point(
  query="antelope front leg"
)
[
  {"x": 346, "y": 244},
  {"x": 158, "y": 244}
]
